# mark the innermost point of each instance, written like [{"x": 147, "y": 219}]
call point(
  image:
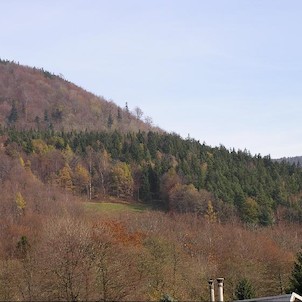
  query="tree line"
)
[{"x": 172, "y": 173}]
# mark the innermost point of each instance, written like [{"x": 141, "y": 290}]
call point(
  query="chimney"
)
[
  {"x": 212, "y": 293},
  {"x": 220, "y": 289}
]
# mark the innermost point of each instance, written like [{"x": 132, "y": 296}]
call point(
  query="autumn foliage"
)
[{"x": 211, "y": 212}]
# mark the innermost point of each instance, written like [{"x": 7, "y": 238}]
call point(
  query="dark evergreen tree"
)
[
  {"x": 144, "y": 191},
  {"x": 119, "y": 115},
  {"x": 244, "y": 290},
  {"x": 37, "y": 121},
  {"x": 57, "y": 114},
  {"x": 167, "y": 298},
  {"x": 296, "y": 276},
  {"x": 46, "y": 118},
  {"x": 23, "y": 246},
  {"x": 152, "y": 143},
  {"x": 110, "y": 121},
  {"x": 13, "y": 115}
]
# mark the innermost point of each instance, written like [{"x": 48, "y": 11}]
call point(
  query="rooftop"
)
[{"x": 282, "y": 298}]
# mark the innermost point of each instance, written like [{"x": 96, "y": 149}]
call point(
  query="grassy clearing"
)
[{"x": 114, "y": 207}]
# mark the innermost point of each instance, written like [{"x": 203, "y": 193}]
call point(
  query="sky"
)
[{"x": 224, "y": 72}]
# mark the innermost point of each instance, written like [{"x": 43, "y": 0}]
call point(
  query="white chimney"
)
[
  {"x": 212, "y": 293},
  {"x": 220, "y": 289}
]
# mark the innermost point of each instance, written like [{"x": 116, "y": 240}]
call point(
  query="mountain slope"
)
[
  {"x": 51, "y": 249},
  {"x": 120, "y": 157},
  {"x": 33, "y": 98}
]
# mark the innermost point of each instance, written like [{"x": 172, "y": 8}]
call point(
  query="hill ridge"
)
[{"x": 42, "y": 99}]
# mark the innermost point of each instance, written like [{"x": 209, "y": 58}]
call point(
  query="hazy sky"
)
[{"x": 223, "y": 71}]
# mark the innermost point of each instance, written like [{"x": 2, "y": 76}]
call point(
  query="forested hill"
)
[
  {"x": 165, "y": 170},
  {"x": 32, "y": 98},
  {"x": 66, "y": 156},
  {"x": 60, "y": 135}
]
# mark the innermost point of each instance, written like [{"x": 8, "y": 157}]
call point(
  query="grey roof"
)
[{"x": 282, "y": 298}]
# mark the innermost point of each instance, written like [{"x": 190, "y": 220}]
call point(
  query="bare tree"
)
[
  {"x": 67, "y": 260},
  {"x": 149, "y": 121},
  {"x": 138, "y": 112}
]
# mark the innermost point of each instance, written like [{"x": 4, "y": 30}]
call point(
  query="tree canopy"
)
[{"x": 177, "y": 174}]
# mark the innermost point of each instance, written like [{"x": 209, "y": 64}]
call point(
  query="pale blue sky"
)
[{"x": 224, "y": 71}]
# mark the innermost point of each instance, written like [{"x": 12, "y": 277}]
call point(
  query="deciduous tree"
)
[
  {"x": 121, "y": 184},
  {"x": 81, "y": 179},
  {"x": 65, "y": 177},
  {"x": 20, "y": 202}
]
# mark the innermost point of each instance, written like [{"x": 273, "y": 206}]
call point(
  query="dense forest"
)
[
  {"x": 165, "y": 170},
  {"x": 54, "y": 248},
  {"x": 208, "y": 212}
]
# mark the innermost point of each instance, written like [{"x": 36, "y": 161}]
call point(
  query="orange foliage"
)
[{"x": 120, "y": 233}]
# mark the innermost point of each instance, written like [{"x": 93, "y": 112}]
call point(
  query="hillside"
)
[
  {"x": 183, "y": 211},
  {"x": 93, "y": 148},
  {"x": 165, "y": 170},
  {"x": 32, "y": 98}
]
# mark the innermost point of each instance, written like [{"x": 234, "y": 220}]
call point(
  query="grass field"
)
[{"x": 115, "y": 207}]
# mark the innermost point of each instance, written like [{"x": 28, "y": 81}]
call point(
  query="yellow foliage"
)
[
  {"x": 40, "y": 146},
  {"x": 250, "y": 210},
  {"x": 81, "y": 178},
  {"x": 68, "y": 153},
  {"x": 210, "y": 215},
  {"x": 20, "y": 201},
  {"x": 82, "y": 173},
  {"x": 21, "y": 161},
  {"x": 65, "y": 179},
  {"x": 204, "y": 167},
  {"x": 210, "y": 154},
  {"x": 28, "y": 165},
  {"x": 121, "y": 180}
]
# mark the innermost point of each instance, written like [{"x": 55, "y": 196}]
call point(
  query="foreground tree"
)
[
  {"x": 244, "y": 290},
  {"x": 115, "y": 263},
  {"x": 66, "y": 261},
  {"x": 296, "y": 277}
]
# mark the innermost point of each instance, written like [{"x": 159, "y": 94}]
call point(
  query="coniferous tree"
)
[
  {"x": 144, "y": 191},
  {"x": 46, "y": 117},
  {"x": 110, "y": 121},
  {"x": 127, "y": 108},
  {"x": 13, "y": 116},
  {"x": 119, "y": 115},
  {"x": 37, "y": 121},
  {"x": 23, "y": 246},
  {"x": 244, "y": 290},
  {"x": 167, "y": 298},
  {"x": 296, "y": 276}
]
